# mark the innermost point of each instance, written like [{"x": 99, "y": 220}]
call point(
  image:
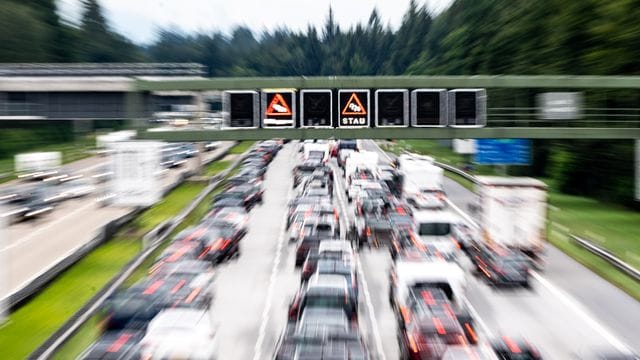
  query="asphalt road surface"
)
[{"x": 32, "y": 248}]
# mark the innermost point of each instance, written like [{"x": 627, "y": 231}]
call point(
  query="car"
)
[
  {"x": 343, "y": 267},
  {"x": 435, "y": 227},
  {"x": 232, "y": 216},
  {"x": 251, "y": 195},
  {"x": 310, "y": 238},
  {"x": 343, "y": 155},
  {"x": 502, "y": 267},
  {"x": 319, "y": 192},
  {"x": 354, "y": 188},
  {"x": 428, "y": 198},
  {"x": 27, "y": 204},
  {"x": 326, "y": 251},
  {"x": 188, "y": 274},
  {"x": 179, "y": 333},
  {"x": 324, "y": 291},
  {"x": 115, "y": 345},
  {"x": 221, "y": 243},
  {"x": 211, "y": 145},
  {"x": 321, "y": 333},
  {"x": 373, "y": 229},
  {"x": 323, "y": 223},
  {"x": 508, "y": 348},
  {"x": 309, "y": 208}
]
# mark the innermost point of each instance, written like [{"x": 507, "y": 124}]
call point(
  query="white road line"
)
[
  {"x": 365, "y": 285},
  {"x": 46, "y": 227},
  {"x": 272, "y": 282},
  {"x": 583, "y": 313}
]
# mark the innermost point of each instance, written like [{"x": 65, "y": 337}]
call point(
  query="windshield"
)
[{"x": 434, "y": 229}]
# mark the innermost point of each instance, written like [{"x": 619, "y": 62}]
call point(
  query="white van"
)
[{"x": 436, "y": 228}]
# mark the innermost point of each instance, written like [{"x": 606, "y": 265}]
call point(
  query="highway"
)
[
  {"x": 568, "y": 314},
  {"x": 570, "y": 311},
  {"x": 32, "y": 248}
]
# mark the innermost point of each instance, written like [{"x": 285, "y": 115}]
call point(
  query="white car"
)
[
  {"x": 77, "y": 188},
  {"x": 436, "y": 228},
  {"x": 428, "y": 199},
  {"x": 179, "y": 333},
  {"x": 356, "y": 186}
]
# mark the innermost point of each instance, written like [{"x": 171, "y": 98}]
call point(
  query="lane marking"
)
[
  {"x": 565, "y": 298},
  {"x": 363, "y": 280},
  {"x": 272, "y": 282}
]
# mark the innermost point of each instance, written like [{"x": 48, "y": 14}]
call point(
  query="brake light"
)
[
  {"x": 472, "y": 334},
  {"x": 400, "y": 210},
  {"x": 178, "y": 286},
  {"x": 428, "y": 298},
  {"x": 412, "y": 344},
  {"x": 119, "y": 343},
  {"x": 153, "y": 287},
  {"x": 367, "y": 231},
  {"x": 513, "y": 347},
  {"x": 192, "y": 296},
  {"x": 438, "y": 324},
  {"x": 455, "y": 242},
  {"x": 406, "y": 314}
]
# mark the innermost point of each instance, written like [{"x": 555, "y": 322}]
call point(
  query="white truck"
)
[
  {"x": 422, "y": 185},
  {"x": 513, "y": 213}
]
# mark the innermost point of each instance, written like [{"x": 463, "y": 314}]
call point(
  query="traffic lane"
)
[
  {"x": 249, "y": 299},
  {"x": 604, "y": 301},
  {"x": 581, "y": 297},
  {"x": 607, "y": 309},
  {"x": 536, "y": 315},
  {"x": 32, "y": 248},
  {"x": 376, "y": 319}
]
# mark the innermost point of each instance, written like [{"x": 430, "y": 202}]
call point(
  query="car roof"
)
[
  {"x": 327, "y": 281},
  {"x": 435, "y": 216},
  {"x": 168, "y": 318},
  {"x": 335, "y": 245}
]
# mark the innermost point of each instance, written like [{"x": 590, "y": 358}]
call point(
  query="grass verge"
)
[
  {"x": 71, "y": 151},
  {"x": 611, "y": 226},
  {"x": 241, "y": 147},
  {"x": 216, "y": 167},
  {"x": 89, "y": 332},
  {"x": 35, "y": 321}
]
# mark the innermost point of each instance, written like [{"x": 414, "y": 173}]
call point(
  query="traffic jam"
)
[{"x": 344, "y": 205}]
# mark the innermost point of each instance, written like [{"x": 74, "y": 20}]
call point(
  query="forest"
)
[{"x": 596, "y": 37}]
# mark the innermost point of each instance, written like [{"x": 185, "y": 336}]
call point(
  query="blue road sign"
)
[{"x": 503, "y": 152}]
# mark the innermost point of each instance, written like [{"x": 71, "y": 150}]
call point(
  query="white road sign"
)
[{"x": 37, "y": 161}]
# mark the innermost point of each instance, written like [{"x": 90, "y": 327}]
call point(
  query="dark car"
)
[
  {"x": 501, "y": 267},
  {"x": 312, "y": 237},
  {"x": 115, "y": 345},
  {"x": 27, "y": 204},
  {"x": 507, "y": 348},
  {"x": 373, "y": 228},
  {"x": 225, "y": 202},
  {"x": 250, "y": 195},
  {"x": 310, "y": 168},
  {"x": 327, "y": 266},
  {"x": 221, "y": 243},
  {"x": 324, "y": 292},
  {"x": 322, "y": 333}
]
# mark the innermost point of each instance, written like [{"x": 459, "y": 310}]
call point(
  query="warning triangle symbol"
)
[
  {"x": 278, "y": 107},
  {"x": 354, "y": 106}
]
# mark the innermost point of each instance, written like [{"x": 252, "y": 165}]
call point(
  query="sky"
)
[{"x": 140, "y": 20}]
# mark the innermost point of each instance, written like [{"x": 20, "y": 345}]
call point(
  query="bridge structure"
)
[{"x": 610, "y": 107}]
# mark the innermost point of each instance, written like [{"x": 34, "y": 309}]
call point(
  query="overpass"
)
[
  {"x": 512, "y": 111},
  {"x": 85, "y": 91}
]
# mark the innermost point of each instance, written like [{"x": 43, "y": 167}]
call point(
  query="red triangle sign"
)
[
  {"x": 278, "y": 107},
  {"x": 354, "y": 106}
]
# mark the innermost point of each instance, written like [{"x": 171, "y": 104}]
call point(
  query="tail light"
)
[{"x": 367, "y": 231}]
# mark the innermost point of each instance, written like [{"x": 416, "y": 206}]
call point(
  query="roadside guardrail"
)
[
  {"x": 589, "y": 245},
  {"x": 608, "y": 256},
  {"x": 103, "y": 235},
  {"x": 154, "y": 238}
]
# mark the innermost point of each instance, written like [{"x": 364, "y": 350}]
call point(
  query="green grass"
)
[
  {"x": 241, "y": 147},
  {"x": 71, "y": 151},
  {"x": 595, "y": 264},
  {"x": 35, "y": 321},
  {"x": 216, "y": 167},
  {"x": 611, "y": 226},
  {"x": 167, "y": 208},
  {"x": 90, "y": 331}
]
